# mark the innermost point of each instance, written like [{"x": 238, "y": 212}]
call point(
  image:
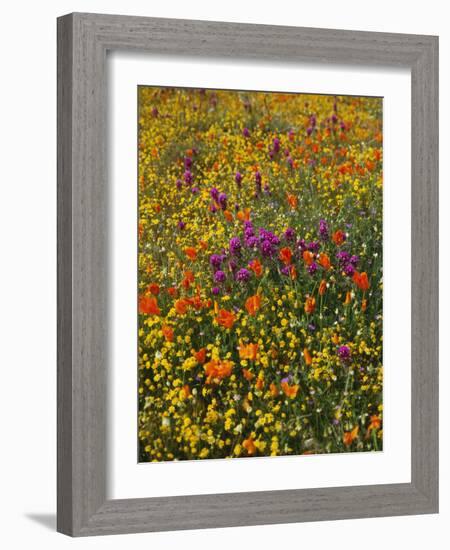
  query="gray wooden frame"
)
[{"x": 83, "y": 40}]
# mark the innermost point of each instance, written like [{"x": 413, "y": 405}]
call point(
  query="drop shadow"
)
[{"x": 46, "y": 520}]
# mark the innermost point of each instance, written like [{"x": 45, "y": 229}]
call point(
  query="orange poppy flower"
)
[
  {"x": 191, "y": 253},
  {"x": 259, "y": 384},
  {"x": 244, "y": 216},
  {"x": 286, "y": 255},
  {"x": 293, "y": 272},
  {"x": 153, "y": 288},
  {"x": 167, "y": 332},
  {"x": 253, "y": 304},
  {"x": 349, "y": 437},
  {"x": 149, "y": 305},
  {"x": 307, "y": 356},
  {"x": 157, "y": 208},
  {"x": 187, "y": 279},
  {"x": 322, "y": 287},
  {"x": 310, "y": 304},
  {"x": 181, "y": 306},
  {"x": 292, "y": 200},
  {"x": 247, "y": 374},
  {"x": 249, "y": 351},
  {"x": 185, "y": 392},
  {"x": 226, "y": 318},
  {"x": 338, "y": 237},
  {"x": 348, "y": 298},
  {"x": 361, "y": 280},
  {"x": 289, "y": 391},
  {"x": 308, "y": 257},
  {"x": 228, "y": 215},
  {"x": 203, "y": 244},
  {"x": 375, "y": 424},
  {"x": 364, "y": 305},
  {"x": 195, "y": 301},
  {"x": 256, "y": 267},
  {"x": 200, "y": 355},
  {"x": 249, "y": 446},
  {"x": 217, "y": 370},
  {"x": 273, "y": 390},
  {"x": 185, "y": 283},
  {"x": 324, "y": 261},
  {"x": 172, "y": 291}
]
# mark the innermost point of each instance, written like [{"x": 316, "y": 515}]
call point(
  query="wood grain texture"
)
[{"x": 83, "y": 40}]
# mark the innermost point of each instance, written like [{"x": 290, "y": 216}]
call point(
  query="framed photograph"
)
[{"x": 247, "y": 274}]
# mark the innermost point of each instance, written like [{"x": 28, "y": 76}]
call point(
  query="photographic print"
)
[{"x": 260, "y": 268}]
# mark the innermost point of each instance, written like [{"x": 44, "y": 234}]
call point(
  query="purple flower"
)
[
  {"x": 349, "y": 270},
  {"x": 213, "y": 208},
  {"x": 313, "y": 246},
  {"x": 251, "y": 242},
  {"x": 309, "y": 131},
  {"x": 195, "y": 190},
  {"x": 343, "y": 258},
  {"x": 286, "y": 270},
  {"x": 188, "y": 176},
  {"x": 238, "y": 178},
  {"x": 266, "y": 189},
  {"x": 235, "y": 246},
  {"x": 248, "y": 229},
  {"x": 243, "y": 275},
  {"x": 312, "y": 268},
  {"x": 323, "y": 230},
  {"x": 187, "y": 163},
  {"x": 313, "y": 120},
  {"x": 246, "y": 132},
  {"x": 222, "y": 201},
  {"x": 181, "y": 224},
  {"x": 334, "y": 118},
  {"x": 233, "y": 265},
  {"x": 301, "y": 244},
  {"x": 354, "y": 260},
  {"x": 311, "y": 327},
  {"x": 215, "y": 290},
  {"x": 289, "y": 234},
  {"x": 290, "y": 162},
  {"x": 155, "y": 112},
  {"x": 215, "y": 261},
  {"x": 214, "y": 192},
  {"x": 258, "y": 182},
  {"x": 276, "y": 145},
  {"x": 219, "y": 276},
  {"x": 344, "y": 353},
  {"x": 179, "y": 184},
  {"x": 265, "y": 235},
  {"x": 286, "y": 152},
  {"x": 266, "y": 248}
]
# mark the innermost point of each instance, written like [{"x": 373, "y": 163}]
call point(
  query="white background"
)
[
  {"x": 127, "y": 479},
  {"x": 28, "y": 271}
]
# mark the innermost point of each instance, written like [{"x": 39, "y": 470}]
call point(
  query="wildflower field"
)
[{"x": 260, "y": 274}]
